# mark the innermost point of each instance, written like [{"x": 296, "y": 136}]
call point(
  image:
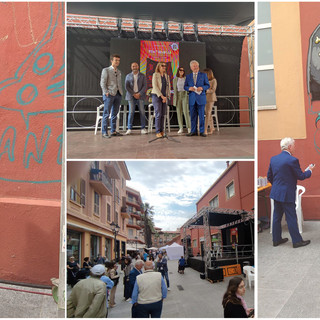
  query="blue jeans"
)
[
  {"x": 195, "y": 112},
  {"x": 160, "y": 110},
  {"x": 166, "y": 276},
  {"x": 145, "y": 310},
  {"x": 132, "y": 106},
  {"x": 111, "y": 104}
]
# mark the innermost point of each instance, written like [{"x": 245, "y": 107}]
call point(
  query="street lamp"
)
[
  {"x": 136, "y": 242},
  {"x": 115, "y": 229}
]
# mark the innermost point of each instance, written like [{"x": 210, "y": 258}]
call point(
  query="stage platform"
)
[
  {"x": 228, "y": 143},
  {"x": 198, "y": 264}
]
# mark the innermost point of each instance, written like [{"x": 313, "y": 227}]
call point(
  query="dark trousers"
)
[
  {"x": 289, "y": 208},
  {"x": 146, "y": 310},
  {"x": 160, "y": 111},
  {"x": 195, "y": 112},
  {"x": 111, "y": 105}
]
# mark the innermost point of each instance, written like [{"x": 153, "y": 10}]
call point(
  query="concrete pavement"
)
[
  {"x": 197, "y": 299},
  {"x": 288, "y": 278},
  {"x": 15, "y": 304}
]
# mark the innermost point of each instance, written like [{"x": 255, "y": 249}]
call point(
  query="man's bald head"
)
[{"x": 148, "y": 265}]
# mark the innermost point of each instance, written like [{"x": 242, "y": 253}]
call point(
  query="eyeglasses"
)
[
  {"x": 242, "y": 287},
  {"x": 163, "y": 65},
  {"x": 181, "y": 70}
]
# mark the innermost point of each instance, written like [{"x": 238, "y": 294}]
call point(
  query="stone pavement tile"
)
[
  {"x": 199, "y": 299},
  {"x": 270, "y": 301},
  {"x": 299, "y": 305},
  {"x": 16, "y": 304}
]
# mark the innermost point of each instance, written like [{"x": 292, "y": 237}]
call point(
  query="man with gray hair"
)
[
  {"x": 148, "y": 293},
  {"x": 284, "y": 171},
  {"x": 134, "y": 273},
  {"x": 196, "y": 84}
]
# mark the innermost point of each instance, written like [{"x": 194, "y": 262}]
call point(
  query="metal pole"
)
[
  {"x": 62, "y": 250},
  {"x": 237, "y": 254}
]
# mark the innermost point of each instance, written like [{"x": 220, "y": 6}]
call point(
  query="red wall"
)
[
  {"x": 307, "y": 150},
  {"x": 242, "y": 173},
  {"x": 31, "y": 113}
]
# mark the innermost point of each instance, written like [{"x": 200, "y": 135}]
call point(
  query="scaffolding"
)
[{"x": 204, "y": 213}]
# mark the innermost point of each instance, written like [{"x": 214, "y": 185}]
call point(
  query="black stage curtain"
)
[{"x": 88, "y": 52}]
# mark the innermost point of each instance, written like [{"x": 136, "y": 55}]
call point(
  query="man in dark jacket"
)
[
  {"x": 283, "y": 173},
  {"x": 134, "y": 273}
]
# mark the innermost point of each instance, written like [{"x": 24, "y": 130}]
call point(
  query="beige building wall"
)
[{"x": 289, "y": 117}]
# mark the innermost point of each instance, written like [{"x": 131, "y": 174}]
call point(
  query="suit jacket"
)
[
  {"x": 202, "y": 81},
  {"x": 283, "y": 173},
  {"x": 132, "y": 277},
  {"x": 110, "y": 82},
  {"x": 142, "y": 86},
  {"x": 157, "y": 84},
  {"x": 175, "y": 90}
]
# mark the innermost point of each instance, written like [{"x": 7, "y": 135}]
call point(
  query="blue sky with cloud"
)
[{"x": 173, "y": 187}]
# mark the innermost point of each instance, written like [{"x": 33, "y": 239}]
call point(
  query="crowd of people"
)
[
  {"x": 146, "y": 284},
  {"x": 194, "y": 97},
  {"x": 144, "y": 290}
]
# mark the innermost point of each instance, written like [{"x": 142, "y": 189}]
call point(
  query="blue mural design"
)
[{"x": 36, "y": 140}]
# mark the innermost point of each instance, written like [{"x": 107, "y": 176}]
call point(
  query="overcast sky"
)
[{"x": 173, "y": 187}]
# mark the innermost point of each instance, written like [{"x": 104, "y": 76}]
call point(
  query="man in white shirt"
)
[{"x": 136, "y": 86}]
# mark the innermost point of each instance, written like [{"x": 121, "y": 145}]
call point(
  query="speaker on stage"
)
[{"x": 215, "y": 274}]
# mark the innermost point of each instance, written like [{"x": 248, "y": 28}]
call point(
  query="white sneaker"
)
[
  {"x": 189, "y": 130},
  {"x": 180, "y": 131},
  {"x": 144, "y": 131},
  {"x": 168, "y": 289},
  {"x": 128, "y": 132},
  {"x": 129, "y": 299}
]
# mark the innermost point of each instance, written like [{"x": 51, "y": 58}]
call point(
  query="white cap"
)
[{"x": 98, "y": 270}]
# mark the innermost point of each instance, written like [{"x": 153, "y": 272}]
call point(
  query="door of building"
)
[{"x": 94, "y": 247}]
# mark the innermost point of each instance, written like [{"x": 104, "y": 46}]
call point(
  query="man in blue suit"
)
[
  {"x": 136, "y": 86},
  {"x": 196, "y": 84},
  {"x": 134, "y": 273},
  {"x": 283, "y": 173}
]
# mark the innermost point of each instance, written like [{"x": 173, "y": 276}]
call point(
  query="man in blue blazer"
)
[
  {"x": 136, "y": 86},
  {"x": 196, "y": 84},
  {"x": 283, "y": 173},
  {"x": 134, "y": 273}
]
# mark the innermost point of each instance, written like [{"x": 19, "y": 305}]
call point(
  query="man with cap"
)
[
  {"x": 88, "y": 296},
  {"x": 148, "y": 293}
]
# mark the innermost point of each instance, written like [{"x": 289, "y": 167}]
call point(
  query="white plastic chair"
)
[
  {"x": 249, "y": 272},
  {"x": 151, "y": 117},
  {"x": 215, "y": 116},
  {"x": 99, "y": 118},
  {"x": 298, "y": 208}
]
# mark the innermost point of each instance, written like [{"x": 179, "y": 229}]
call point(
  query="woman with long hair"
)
[
  {"x": 127, "y": 269},
  {"x": 211, "y": 99},
  {"x": 233, "y": 302},
  {"x": 160, "y": 95},
  {"x": 180, "y": 100}
]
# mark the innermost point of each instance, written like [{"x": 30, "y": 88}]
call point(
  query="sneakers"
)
[
  {"x": 180, "y": 131},
  {"x": 128, "y": 132},
  {"x": 116, "y": 134},
  {"x": 189, "y": 130},
  {"x": 144, "y": 131},
  {"x": 129, "y": 299},
  {"x": 168, "y": 289},
  {"x": 159, "y": 135}
]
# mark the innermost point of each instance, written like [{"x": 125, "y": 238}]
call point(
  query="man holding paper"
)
[
  {"x": 283, "y": 173},
  {"x": 196, "y": 84}
]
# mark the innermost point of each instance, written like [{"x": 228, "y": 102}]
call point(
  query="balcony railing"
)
[
  {"x": 100, "y": 182},
  {"x": 113, "y": 169}
]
